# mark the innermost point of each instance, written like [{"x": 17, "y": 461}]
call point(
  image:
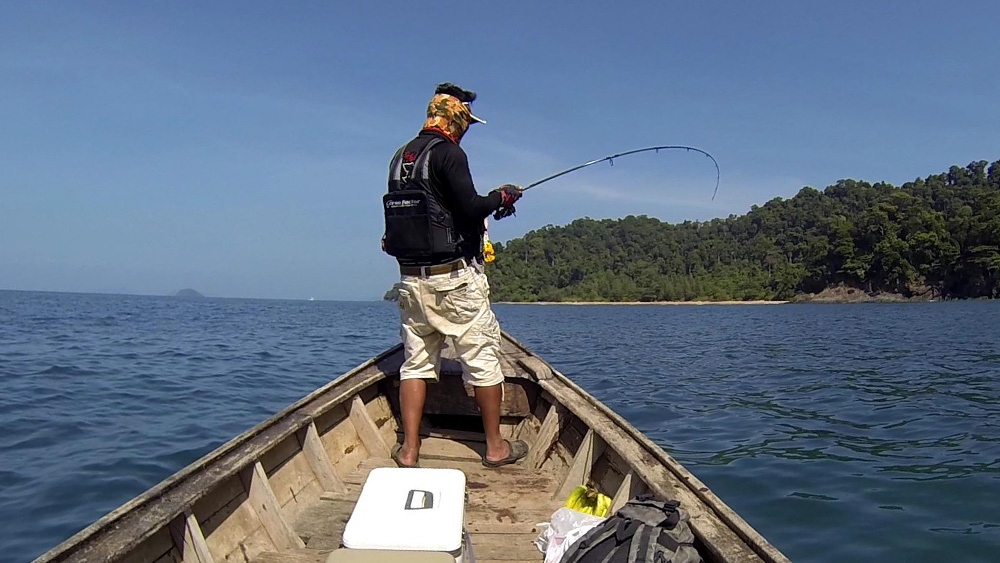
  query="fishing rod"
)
[{"x": 611, "y": 159}]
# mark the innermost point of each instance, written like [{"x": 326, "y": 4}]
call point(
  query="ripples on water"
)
[{"x": 859, "y": 433}]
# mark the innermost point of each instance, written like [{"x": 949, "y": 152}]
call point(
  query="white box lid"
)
[{"x": 413, "y": 509}]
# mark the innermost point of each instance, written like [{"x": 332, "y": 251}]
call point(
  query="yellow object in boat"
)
[{"x": 589, "y": 501}]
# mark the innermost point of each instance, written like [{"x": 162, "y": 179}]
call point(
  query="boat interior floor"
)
[{"x": 504, "y": 505}]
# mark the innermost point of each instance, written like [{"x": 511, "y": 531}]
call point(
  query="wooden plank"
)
[
  {"x": 172, "y": 556},
  {"x": 156, "y": 547},
  {"x": 555, "y": 419},
  {"x": 306, "y": 496},
  {"x": 279, "y": 454},
  {"x": 579, "y": 471},
  {"x": 294, "y": 483},
  {"x": 528, "y": 427},
  {"x": 626, "y": 491},
  {"x": 538, "y": 369},
  {"x": 381, "y": 412},
  {"x": 341, "y": 441},
  {"x": 367, "y": 429},
  {"x": 505, "y": 547},
  {"x": 189, "y": 539},
  {"x": 322, "y": 524},
  {"x": 235, "y": 529},
  {"x": 519, "y": 429},
  {"x": 509, "y": 478},
  {"x": 213, "y": 508},
  {"x": 478, "y": 521},
  {"x": 319, "y": 461},
  {"x": 248, "y": 548},
  {"x": 294, "y": 556},
  {"x": 559, "y": 459},
  {"x": 448, "y": 433},
  {"x": 443, "y": 448},
  {"x": 263, "y": 502}
]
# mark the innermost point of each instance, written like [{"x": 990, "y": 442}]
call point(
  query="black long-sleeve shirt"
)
[{"x": 450, "y": 175}]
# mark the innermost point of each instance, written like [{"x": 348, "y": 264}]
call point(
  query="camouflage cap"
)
[
  {"x": 448, "y": 114},
  {"x": 463, "y": 95}
]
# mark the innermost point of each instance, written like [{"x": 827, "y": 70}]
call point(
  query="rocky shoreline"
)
[
  {"x": 843, "y": 294},
  {"x": 754, "y": 302}
]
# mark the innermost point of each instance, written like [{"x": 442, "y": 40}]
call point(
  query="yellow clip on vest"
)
[{"x": 489, "y": 254}]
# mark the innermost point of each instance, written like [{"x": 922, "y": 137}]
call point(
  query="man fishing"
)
[{"x": 434, "y": 224}]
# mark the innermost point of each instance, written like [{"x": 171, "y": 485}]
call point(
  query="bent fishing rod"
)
[{"x": 611, "y": 159}]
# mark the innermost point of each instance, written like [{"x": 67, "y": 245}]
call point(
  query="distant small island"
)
[{"x": 188, "y": 293}]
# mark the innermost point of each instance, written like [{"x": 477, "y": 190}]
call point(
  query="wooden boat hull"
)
[{"x": 281, "y": 492}]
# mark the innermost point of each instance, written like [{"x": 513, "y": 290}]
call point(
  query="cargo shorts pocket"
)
[{"x": 459, "y": 300}]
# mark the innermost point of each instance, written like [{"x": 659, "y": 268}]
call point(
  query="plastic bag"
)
[{"x": 566, "y": 526}]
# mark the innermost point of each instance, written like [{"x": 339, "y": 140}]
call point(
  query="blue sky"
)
[{"x": 240, "y": 148}]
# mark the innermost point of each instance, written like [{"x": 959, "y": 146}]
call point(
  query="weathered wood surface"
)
[
  {"x": 367, "y": 429},
  {"x": 506, "y": 547},
  {"x": 187, "y": 534},
  {"x": 268, "y": 510},
  {"x": 340, "y": 440},
  {"x": 322, "y": 524},
  {"x": 158, "y": 547},
  {"x": 629, "y": 488},
  {"x": 547, "y": 436},
  {"x": 318, "y": 460},
  {"x": 579, "y": 471},
  {"x": 304, "y": 555},
  {"x": 289, "y": 475},
  {"x": 116, "y": 534}
]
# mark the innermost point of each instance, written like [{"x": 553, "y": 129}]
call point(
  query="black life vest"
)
[{"x": 417, "y": 224}]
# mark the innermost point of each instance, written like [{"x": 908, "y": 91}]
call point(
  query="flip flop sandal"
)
[
  {"x": 518, "y": 449},
  {"x": 399, "y": 462}
]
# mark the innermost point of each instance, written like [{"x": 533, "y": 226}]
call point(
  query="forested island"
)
[{"x": 937, "y": 237}]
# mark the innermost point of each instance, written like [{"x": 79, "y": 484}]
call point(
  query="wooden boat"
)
[{"x": 282, "y": 492}]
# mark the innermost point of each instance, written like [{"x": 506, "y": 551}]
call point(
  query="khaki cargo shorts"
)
[{"x": 455, "y": 306}]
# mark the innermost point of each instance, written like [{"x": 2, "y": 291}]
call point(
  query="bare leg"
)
[
  {"x": 488, "y": 399},
  {"x": 412, "y": 393}
]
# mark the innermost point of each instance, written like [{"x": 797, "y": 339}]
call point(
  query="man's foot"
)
[
  {"x": 509, "y": 452},
  {"x": 406, "y": 457}
]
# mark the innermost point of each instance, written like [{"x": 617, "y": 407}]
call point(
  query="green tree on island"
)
[{"x": 938, "y": 236}]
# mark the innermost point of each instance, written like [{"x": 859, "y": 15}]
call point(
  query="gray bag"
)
[{"x": 643, "y": 531}]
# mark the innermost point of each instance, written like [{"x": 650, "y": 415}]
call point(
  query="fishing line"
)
[{"x": 611, "y": 159}]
